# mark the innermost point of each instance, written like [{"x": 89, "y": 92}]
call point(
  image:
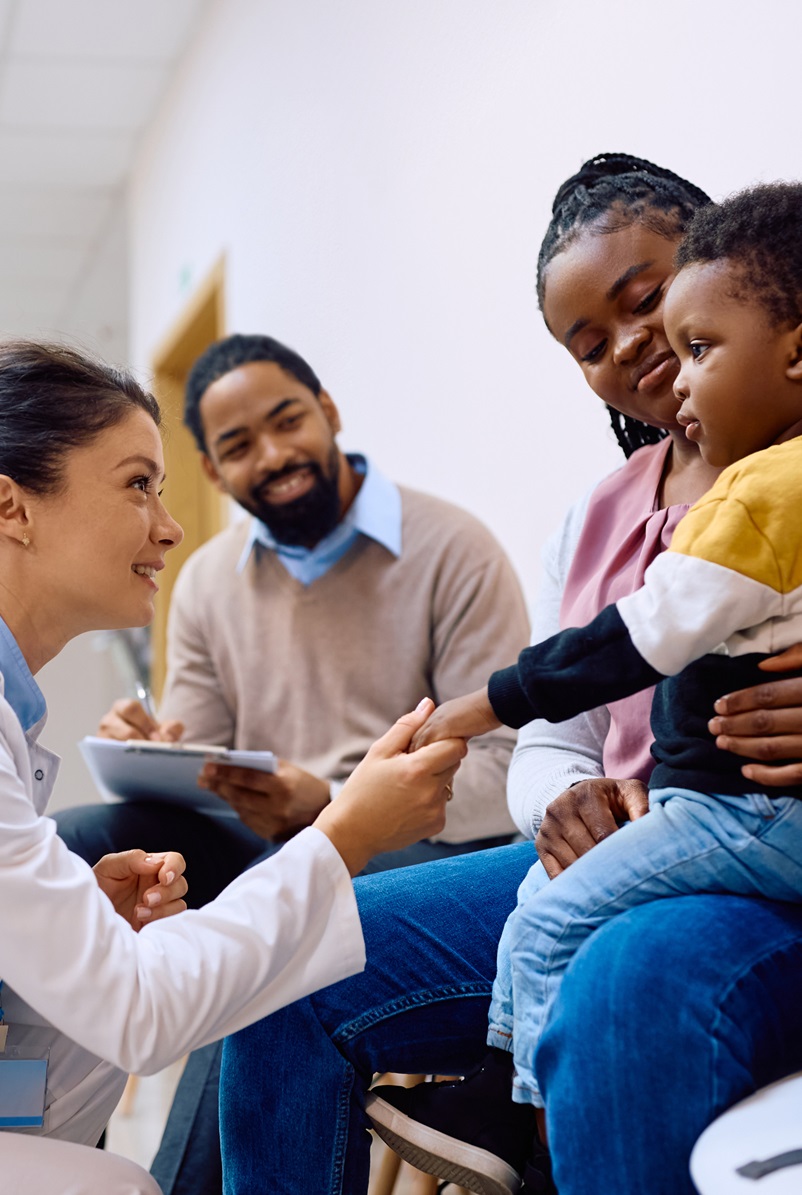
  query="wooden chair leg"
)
[
  {"x": 387, "y": 1176},
  {"x": 423, "y": 1184},
  {"x": 128, "y": 1097}
]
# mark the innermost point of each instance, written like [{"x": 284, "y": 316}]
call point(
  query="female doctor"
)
[{"x": 85, "y": 999}]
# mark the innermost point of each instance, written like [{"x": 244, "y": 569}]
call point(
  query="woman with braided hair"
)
[{"x": 673, "y": 1011}]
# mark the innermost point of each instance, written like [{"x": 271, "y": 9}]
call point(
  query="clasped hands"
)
[
  {"x": 460, "y": 718},
  {"x": 274, "y": 805}
]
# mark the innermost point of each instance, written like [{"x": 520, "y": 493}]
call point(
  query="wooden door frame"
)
[{"x": 191, "y": 498}]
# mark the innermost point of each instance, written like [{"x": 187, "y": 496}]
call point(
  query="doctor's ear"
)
[
  {"x": 15, "y": 521},
  {"x": 794, "y": 368}
]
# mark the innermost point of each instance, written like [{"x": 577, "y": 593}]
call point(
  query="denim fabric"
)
[
  {"x": 430, "y": 852},
  {"x": 685, "y": 1006},
  {"x": 688, "y": 842},
  {"x": 293, "y": 1085},
  {"x": 187, "y": 1161},
  {"x": 501, "y": 1016},
  {"x": 668, "y": 1015}
]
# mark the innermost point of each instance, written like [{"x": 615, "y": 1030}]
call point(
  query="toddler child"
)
[{"x": 727, "y": 594}]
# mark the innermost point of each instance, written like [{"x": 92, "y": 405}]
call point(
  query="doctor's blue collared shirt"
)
[
  {"x": 375, "y": 512},
  {"x": 21, "y": 691}
]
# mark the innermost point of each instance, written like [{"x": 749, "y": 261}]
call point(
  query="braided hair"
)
[{"x": 617, "y": 190}]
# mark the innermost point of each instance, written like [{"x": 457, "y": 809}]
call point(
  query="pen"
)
[{"x": 146, "y": 697}]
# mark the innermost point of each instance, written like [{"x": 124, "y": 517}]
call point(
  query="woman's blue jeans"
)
[{"x": 667, "y": 1015}]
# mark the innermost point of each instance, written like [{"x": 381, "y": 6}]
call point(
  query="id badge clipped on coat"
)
[{"x": 23, "y": 1082}]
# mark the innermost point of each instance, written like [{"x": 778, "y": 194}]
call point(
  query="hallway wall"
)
[{"x": 379, "y": 177}]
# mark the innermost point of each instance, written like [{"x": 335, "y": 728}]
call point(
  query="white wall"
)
[
  {"x": 380, "y": 175},
  {"x": 80, "y": 684}
]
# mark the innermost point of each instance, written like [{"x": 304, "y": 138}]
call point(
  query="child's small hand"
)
[{"x": 461, "y": 718}]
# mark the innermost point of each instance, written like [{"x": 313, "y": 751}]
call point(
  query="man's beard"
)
[{"x": 308, "y": 519}]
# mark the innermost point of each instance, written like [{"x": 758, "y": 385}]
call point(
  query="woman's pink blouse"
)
[{"x": 623, "y": 532}]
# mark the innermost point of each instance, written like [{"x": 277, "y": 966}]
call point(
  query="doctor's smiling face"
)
[
  {"x": 97, "y": 545},
  {"x": 83, "y": 532}
]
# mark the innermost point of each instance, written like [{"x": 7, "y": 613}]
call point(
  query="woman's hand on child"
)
[
  {"x": 462, "y": 718},
  {"x": 764, "y": 724},
  {"x": 585, "y": 814},
  {"x": 143, "y": 887}
]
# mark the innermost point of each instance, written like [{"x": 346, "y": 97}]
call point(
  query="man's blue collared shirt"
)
[
  {"x": 375, "y": 512},
  {"x": 21, "y": 690}
]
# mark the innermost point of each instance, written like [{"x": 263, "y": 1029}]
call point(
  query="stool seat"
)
[{"x": 754, "y": 1147}]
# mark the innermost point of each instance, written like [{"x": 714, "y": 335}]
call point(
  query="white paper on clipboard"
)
[{"x": 143, "y": 771}]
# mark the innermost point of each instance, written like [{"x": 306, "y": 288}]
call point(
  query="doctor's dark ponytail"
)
[{"x": 54, "y": 399}]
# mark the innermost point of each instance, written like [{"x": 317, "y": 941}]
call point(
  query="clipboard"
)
[{"x": 141, "y": 771}]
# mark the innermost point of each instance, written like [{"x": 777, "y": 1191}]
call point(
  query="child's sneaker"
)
[{"x": 468, "y": 1132}]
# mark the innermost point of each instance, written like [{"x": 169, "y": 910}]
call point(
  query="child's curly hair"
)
[{"x": 760, "y": 231}]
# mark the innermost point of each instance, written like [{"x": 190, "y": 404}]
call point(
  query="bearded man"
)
[{"x": 308, "y": 627}]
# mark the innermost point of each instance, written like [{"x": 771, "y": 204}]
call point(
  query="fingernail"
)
[
  {"x": 154, "y": 858},
  {"x": 142, "y": 913},
  {"x": 714, "y": 725},
  {"x": 421, "y": 704},
  {"x": 168, "y": 879},
  {"x": 154, "y": 898}
]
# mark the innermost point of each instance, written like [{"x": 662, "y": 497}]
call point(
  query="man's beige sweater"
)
[{"x": 316, "y": 673}]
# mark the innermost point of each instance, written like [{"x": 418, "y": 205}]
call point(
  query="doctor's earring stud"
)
[{"x": 25, "y": 539}]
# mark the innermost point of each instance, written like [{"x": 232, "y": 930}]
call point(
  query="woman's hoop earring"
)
[{"x": 25, "y": 540}]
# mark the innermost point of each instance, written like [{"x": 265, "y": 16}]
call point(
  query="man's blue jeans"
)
[
  {"x": 667, "y": 1016},
  {"x": 293, "y": 1086}
]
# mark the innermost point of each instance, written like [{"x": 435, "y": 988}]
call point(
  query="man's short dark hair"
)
[{"x": 230, "y": 353}]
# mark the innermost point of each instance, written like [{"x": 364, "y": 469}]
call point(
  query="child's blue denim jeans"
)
[{"x": 689, "y": 842}]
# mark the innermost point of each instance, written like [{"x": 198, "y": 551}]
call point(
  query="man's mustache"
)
[{"x": 259, "y": 491}]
